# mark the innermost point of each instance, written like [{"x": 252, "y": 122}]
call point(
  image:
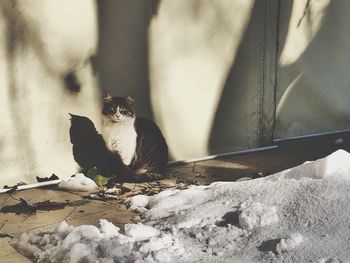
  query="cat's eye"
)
[
  {"x": 109, "y": 108},
  {"x": 123, "y": 111}
]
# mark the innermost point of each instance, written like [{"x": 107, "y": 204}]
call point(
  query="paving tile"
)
[
  {"x": 118, "y": 217},
  {"x": 6, "y": 248},
  {"x": 92, "y": 207},
  {"x": 49, "y": 217},
  {"x": 14, "y": 258},
  {"x": 13, "y": 223},
  {"x": 168, "y": 181},
  {"x": 224, "y": 168},
  {"x": 121, "y": 218},
  {"x": 224, "y": 163},
  {"x": 181, "y": 165},
  {"x": 3, "y": 199},
  {"x": 180, "y": 169},
  {"x": 38, "y": 195},
  {"x": 208, "y": 178}
]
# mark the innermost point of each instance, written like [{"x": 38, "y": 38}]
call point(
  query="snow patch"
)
[
  {"x": 330, "y": 260},
  {"x": 79, "y": 183},
  {"x": 290, "y": 243},
  {"x": 334, "y": 166},
  {"x": 257, "y": 215},
  {"x": 139, "y": 202},
  {"x": 140, "y": 231}
]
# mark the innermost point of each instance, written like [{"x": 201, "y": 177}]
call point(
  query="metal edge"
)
[{"x": 221, "y": 155}]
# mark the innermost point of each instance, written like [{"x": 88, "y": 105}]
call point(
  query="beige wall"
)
[{"x": 45, "y": 51}]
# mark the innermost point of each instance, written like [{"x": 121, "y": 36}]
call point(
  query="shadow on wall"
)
[
  {"x": 236, "y": 122},
  {"x": 122, "y": 57},
  {"x": 313, "y": 83}
]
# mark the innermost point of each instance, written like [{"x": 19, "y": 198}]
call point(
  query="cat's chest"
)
[{"x": 121, "y": 139}]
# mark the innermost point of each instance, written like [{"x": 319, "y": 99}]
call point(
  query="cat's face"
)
[{"x": 118, "y": 109}]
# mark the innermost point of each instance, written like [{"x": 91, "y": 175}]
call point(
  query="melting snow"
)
[
  {"x": 298, "y": 215},
  {"x": 288, "y": 244},
  {"x": 256, "y": 215},
  {"x": 79, "y": 183}
]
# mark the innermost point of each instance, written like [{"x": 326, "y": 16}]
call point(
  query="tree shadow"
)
[
  {"x": 323, "y": 65},
  {"x": 235, "y": 126},
  {"x": 122, "y": 60}
]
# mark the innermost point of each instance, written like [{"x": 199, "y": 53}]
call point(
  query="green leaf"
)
[
  {"x": 96, "y": 176},
  {"x": 100, "y": 180}
]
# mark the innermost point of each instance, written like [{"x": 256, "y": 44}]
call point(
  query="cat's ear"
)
[
  {"x": 107, "y": 95},
  {"x": 129, "y": 99}
]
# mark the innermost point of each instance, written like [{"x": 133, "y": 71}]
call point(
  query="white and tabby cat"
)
[
  {"x": 130, "y": 148},
  {"x": 138, "y": 141}
]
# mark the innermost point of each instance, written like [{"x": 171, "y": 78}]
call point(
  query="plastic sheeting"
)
[{"x": 313, "y": 86}]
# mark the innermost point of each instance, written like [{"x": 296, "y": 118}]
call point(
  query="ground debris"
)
[
  {"x": 101, "y": 196},
  {"x": 48, "y": 205},
  {"x": 24, "y": 207},
  {"x": 182, "y": 181},
  {"x": 123, "y": 191},
  {"x": 45, "y": 179},
  {"x": 4, "y": 235},
  {"x": 78, "y": 202}
]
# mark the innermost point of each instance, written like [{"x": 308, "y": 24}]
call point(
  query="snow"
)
[
  {"x": 140, "y": 231},
  {"x": 256, "y": 215},
  {"x": 298, "y": 215},
  {"x": 79, "y": 183},
  {"x": 288, "y": 244}
]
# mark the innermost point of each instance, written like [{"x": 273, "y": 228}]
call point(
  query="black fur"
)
[
  {"x": 151, "y": 149},
  {"x": 89, "y": 149}
]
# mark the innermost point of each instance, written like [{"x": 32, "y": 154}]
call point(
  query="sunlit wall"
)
[{"x": 45, "y": 73}]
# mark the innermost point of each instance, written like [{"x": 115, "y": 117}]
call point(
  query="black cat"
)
[{"x": 130, "y": 149}]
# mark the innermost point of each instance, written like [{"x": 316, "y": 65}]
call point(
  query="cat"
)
[
  {"x": 130, "y": 149},
  {"x": 138, "y": 141}
]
